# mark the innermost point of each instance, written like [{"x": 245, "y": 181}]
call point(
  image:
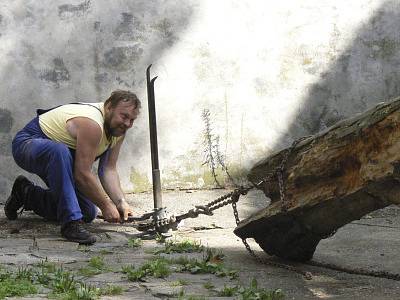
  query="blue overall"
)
[{"x": 53, "y": 162}]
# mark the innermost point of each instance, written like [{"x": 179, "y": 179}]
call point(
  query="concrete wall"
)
[{"x": 267, "y": 71}]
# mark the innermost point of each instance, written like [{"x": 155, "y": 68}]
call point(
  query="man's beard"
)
[
  {"x": 110, "y": 132},
  {"x": 113, "y": 131}
]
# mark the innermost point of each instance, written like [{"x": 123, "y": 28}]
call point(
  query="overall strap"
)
[
  {"x": 42, "y": 111},
  {"x": 80, "y": 103}
]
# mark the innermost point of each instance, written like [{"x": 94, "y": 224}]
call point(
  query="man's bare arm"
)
[
  {"x": 110, "y": 181},
  {"x": 109, "y": 177},
  {"x": 88, "y": 135}
]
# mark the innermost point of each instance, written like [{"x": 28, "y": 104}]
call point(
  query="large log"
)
[{"x": 330, "y": 179}]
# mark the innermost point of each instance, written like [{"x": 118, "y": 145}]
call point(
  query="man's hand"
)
[
  {"x": 124, "y": 209},
  {"x": 110, "y": 213}
]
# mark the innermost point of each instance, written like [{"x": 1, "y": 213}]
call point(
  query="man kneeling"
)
[{"x": 60, "y": 145}]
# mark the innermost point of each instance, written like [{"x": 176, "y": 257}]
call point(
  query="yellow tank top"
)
[{"x": 54, "y": 123}]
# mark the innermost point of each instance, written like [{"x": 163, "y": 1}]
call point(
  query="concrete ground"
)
[{"x": 371, "y": 243}]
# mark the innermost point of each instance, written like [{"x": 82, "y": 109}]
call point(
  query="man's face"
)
[{"x": 120, "y": 118}]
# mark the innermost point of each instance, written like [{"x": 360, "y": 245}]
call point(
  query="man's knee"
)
[{"x": 60, "y": 150}]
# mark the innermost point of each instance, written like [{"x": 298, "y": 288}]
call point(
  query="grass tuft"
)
[
  {"x": 112, "y": 290},
  {"x": 134, "y": 242},
  {"x": 14, "y": 287},
  {"x": 179, "y": 282},
  {"x": 185, "y": 246},
  {"x": 158, "y": 267},
  {"x": 95, "y": 266}
]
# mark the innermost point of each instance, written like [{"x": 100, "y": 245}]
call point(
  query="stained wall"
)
[{"x": 267, "y": 73}]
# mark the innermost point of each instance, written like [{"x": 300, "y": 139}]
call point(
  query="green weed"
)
[
  {"x": 96, "y": 262},
  {"x": 134, "y": 242},
  {"x": 180, "y": 282},
  {"x": 50, "y": 267},
  {"x": 95, "y": 266},
  {"x": 228, "y": 291},
  {"x": 185, "y": 246},
  {"x": 254, "y": 292},
  {"x": 195, "y": 266},
  {"x": 158, "y": 267},
  {"x": 24, "y": 273},
  {"x": 13, "y": 287},
  {"x": 112, "y": 290},
  {"x": 81, "y": 291},
  {"x": 159, "y": 238},
  {"x": 105, "y": 252},
  {"x": 208, "y": 285},
  {"x": 62, "y": 281},
  {"x": 85, "y": 292},
  {"x": 83, "y": 248}
]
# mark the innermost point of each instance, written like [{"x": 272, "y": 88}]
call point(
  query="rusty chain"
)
[
  {"x": 172, "y": 221},
  {"x": 281, "y": 172},
  {"x": 307, "y": 275}
]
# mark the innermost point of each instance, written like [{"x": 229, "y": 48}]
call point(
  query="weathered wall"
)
[{"x": 268, "y": 72}]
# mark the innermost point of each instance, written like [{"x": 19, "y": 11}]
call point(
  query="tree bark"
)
[{"x": 330, "y": 179}]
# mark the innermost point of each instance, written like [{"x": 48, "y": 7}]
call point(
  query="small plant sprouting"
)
[
  {"x": 18, "y": 285},
  {"x": 180, "y": 282},
  {"x": 195, "y": 266},
  {"x": 208, "y": 285},
  {"x": 63, "y": 281},
  {"x": 210, "y": 156},
  {"x": 228, "y": 291},
  {"x": 105, "y": 252},
  {"x": 158, "y": 268},
  {"x": 83, "y": 248},
  {"x": 96, "y": 262},
  {"x": 185, "y": 246},
  {"x": 254, "y": 292},
  {"x": 134, "y": 242},
  {"x": 24, "y": 273},
  {"x": 112, "y": 290},
  {"x": 83, "y": 291},
  {"x": 95, "y": 266},
  {"x": 47, "y": 266},
  {"x": 159, "y": 238}
]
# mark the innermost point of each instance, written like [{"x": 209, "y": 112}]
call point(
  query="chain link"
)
[
  {"x": 307, "y": 275},
  {"x": 280, "y": 174}
]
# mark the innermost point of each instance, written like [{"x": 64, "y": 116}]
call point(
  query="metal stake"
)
[{"x": 153, "y": 141}]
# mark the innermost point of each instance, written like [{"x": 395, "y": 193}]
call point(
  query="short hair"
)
[{"x": 125, "y": 96}]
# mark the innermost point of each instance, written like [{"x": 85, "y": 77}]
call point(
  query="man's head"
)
[{"x": 121, "y": 109}]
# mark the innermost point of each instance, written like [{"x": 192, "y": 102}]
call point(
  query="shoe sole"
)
[{"x": 11, "y": 215}]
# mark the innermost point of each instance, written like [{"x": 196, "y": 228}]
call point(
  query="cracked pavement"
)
[{"x": 371, "y": 243}]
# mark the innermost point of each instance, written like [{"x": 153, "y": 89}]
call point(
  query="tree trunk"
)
[{"x": 330, "y": 179}]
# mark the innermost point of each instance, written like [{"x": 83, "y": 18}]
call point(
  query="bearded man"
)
[{"x": 60, "y": 145}]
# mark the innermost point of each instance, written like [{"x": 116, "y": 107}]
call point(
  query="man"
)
[{"x": 60, "y": 145}]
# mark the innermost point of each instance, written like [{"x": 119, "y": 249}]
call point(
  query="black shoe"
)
[
  {"x": 75, "y": 232},
  {"x": 18, "y": 197}
]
